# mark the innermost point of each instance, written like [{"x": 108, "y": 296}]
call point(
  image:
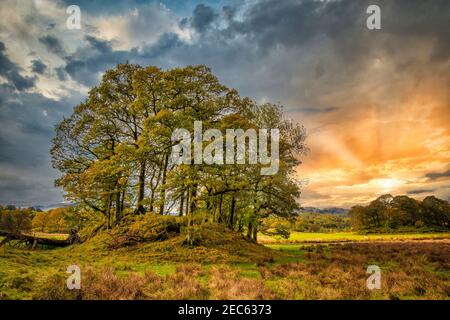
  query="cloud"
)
[
  {"x": 318, "y": 110},
  {"x": 53, "y": 44},
  {"x": 11, "y": 72},
  {"x": 202, "y": 17},
  {"x": 61, "y": 73},
  {"x": 98, "y": 55},
  {"x": 95, "y": 56},
  {"x": 27, "y": 126},
  {"x": 438, "y": 175},
  {"x": 374, "y": 110},
  {"x": 137, "y": 26},
  {"x": 37, "y": 66},
  {"x": 420, "y": 191}
]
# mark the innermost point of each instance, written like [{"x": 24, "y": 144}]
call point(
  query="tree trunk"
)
[
  {"x": 122, "y": 201},
  {"x": 189, "y": 209},
  {"x": 118, "y": 207},
  {"x": 180, "y": 212},
  {"x": 220, "y": 219},
  {"x": 193, "y": 204},
  {"x": 188, "y": 200},
  {"x": 232, "y": 210},
  {"x": 255, "y": 232},
  {"x": 163, "y": 190},
  {"x": 108, "y": 212},
  {"x": 73, "y": 238},
  {"x": 249, "y": 230},
  {"x": 152, "y": 200},
  {"x": 140, "y": 207}
]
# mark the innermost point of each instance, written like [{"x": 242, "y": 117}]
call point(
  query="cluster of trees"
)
[
  {"x": 114, "y": 150},
  {"x": 58, "y": 220},
  {"x": 321, "y": 222},
  {"x": 15, "y": 220},
  {"x": 305, "y": 222},
  {"x": 401, "y": 211},
  {"x": 23, "y": 220}
]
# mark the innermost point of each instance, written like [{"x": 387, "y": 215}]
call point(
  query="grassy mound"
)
[
  {"x": 138, "y": 246},
  {"x": 152, "y": 237},
  {"x": 144, "y": 228}
]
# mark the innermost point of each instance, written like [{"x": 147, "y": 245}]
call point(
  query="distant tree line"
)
[
  {"x": 15, "y": 220},
  {"x": 392, "y": 212},
  {"x": 321, "y": 222},
  {"x": 24, "y": 220},
  {"x": 305, "y": 222},
  {"x": 59, "y": 220}
]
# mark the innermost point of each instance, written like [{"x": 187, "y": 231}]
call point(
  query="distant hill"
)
[
  {"x": 53, "y": 206},
  {"x": 331, "y": 210}
]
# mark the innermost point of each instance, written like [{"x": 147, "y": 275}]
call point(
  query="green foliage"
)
[
  {"x": 15, "y": 221},
  {"x": 305, "y": 222},
  {"x": 62, "y": 220},
  {"x": 320, "y": 222},
  {"x": 388, "y": 212},
  {"x": 114, "y": 150}
]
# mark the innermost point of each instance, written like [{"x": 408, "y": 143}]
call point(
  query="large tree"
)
[{"x": 114, "y": 150}]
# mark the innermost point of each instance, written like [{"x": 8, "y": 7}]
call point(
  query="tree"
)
[
  {"x": 436, "y": 211},
  {"x": 401, "y": 211},
  {"x": 114, "y": 150},
  {"x": 15, "y": 221},
  {"x": 40, "y": 221}
]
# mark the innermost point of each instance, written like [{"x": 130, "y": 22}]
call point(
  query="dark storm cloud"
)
[
  {"x": 438, "y": 175},
  {"x": 268, "y": 24},
  {"x": 313, "y": 110},
  {"x": 202, "y": 17},
  {"x": 165, "y": 43},
  {"x": 229, "y": 12},
  {"x": 10, "y": 71},
  {"x": 420, "y": 191},
  {"x": 291, "y": 23},
  {"x": 53, "y": 45},
  {"x": 240, "y": 47},
  {"x": 86, "y": 65},
  {"x": 287, "y": 51},
  {"x": 32, "y": 112},
  {"x": 22, "y": 191},
  {"x": 27, "y": 127},
  {"x": 61, "y": 73},
  {"x": 94, "y": 57},
  {"x": 37, "y": 66},
  {"x": 99, "y": 45}
]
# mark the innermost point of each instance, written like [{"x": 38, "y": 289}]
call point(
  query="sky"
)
[{"x": 375, "y": 103}]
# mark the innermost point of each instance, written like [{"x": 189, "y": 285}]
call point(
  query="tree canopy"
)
[
  {"x": 392, "y": 212},
  {"x": 114, "y": 150}
]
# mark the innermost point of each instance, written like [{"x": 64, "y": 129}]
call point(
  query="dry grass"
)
[
  {"x": 226, "y": 284},
  {"x": 409, "y": 271},
  {"x": 223, "y": 283}
]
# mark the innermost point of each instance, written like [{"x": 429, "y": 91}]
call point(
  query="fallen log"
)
[{"x": 33, "y": 240}]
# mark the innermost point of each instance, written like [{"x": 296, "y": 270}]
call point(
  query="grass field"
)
[
  {"x": 225, "y": 266},
  {"x": 311, "y": 237},
  {"x": 55, "y": 236}
]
